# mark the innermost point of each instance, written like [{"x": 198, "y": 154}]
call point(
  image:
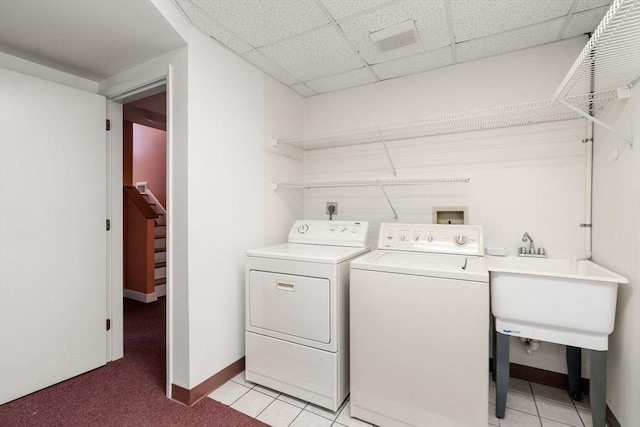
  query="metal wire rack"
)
[
  {"x": 611, "y": 58},
  {"x": 494, "y": 118}
]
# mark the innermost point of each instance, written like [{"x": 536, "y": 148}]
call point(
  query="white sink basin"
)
[{"x": 555, "y": 300}]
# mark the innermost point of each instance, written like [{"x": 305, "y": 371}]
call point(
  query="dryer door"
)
[{"x": 296, "y": 306}]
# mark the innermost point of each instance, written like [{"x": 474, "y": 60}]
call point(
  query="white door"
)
[{"x": 52, "y": 233}]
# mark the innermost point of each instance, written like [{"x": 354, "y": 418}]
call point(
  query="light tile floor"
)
[{"x": 528, "y": 405}]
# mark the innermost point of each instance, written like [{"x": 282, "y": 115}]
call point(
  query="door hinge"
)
[
  {"x": 108, "y": 324},
  {"x": 108, "y": 224},
  {"x": 108, "y": 124},
  {"x": 585, "y": 225},
  {"x": 584, "y": 141}
]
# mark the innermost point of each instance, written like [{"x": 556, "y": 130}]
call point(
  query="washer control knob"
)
[
  {"x": 344, "y": 229},
  {"x": 430, "y": 239},
  {"x": 389, "y": 236},
  {"x": 402, "y": 237},
  {"x": 416, "y": 237},
  {"x": 460, "y": 240},
  {"x": 303, "y": 228}
]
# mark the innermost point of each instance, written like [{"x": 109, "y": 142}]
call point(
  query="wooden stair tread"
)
[
  {"x": 159, "y": 236},
  {"x": 159, "y": 249},
  {"x": 160, "y": 281},
  {"x": 160, "y": 264}
]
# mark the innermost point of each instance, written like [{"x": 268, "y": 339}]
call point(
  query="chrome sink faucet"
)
[
  {"x": 531, "y": 251},
  {"x": 525, "y": 237}
]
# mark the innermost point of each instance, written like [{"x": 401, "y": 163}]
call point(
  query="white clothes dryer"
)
[
  {"x": 419, "y": 315},
  {"x": 297, "y": 311}
]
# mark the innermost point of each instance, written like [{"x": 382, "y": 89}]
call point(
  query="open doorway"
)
[{"x": 144, "y": 177}]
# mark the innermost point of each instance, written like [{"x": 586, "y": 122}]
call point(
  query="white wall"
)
[
  {"x": 29, "y": 68},
  {"x": 616, "y": 245},
  {"x": 225, "y": 196},
  {"x": 283, "y": 115},
  {"x": 522, "y": 179}
]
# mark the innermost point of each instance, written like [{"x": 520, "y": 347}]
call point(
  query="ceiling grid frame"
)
[
  {"x": 452, "y": 34},
  {"x": 353, "y": 48},
  {"x": 565, "y": 25}
]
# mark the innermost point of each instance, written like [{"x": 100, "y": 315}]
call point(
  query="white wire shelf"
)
[
  {"x": 371, "y": 182},
  {"x": 611, "y": 58},
  {"x": 494, "y": 118}
]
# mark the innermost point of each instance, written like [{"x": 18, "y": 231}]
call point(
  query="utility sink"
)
[{"x": 556, "y": 300}]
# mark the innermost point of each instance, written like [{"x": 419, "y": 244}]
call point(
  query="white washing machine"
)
[
  {"x": 297, "y": 311},
  {"x": 419, "y": 314}
]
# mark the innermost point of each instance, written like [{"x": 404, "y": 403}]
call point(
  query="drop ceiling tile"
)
[
  {"x": 315, "y": 54},
  {"x": 430, "y": 19},
  {"x": 210, "y": 27},
  {"x": 591, "y": 4},
  {"x": 413, "y": 64},
  {"x": 351, "y": 78},
  {"x": 266, "y": 65},
  {"x": 473, "y": 18},
  {"x": 509, "y": 41},
  {"x": 584, "y": 22},
  {"x": 262, "y": 22},
  {"x": 302, "y": 89},
  {"x": 341, "y": 8}
]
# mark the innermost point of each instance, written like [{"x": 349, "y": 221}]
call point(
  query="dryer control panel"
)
[
  {"x": 332, "y": 233},
  {"x": 432, "y": 238}
]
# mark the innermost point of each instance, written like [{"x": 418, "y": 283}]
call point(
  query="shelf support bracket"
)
[
  {"x": 386, "y": 196},
  {"x": 598, "y": 122},
  {"x": 386, "y": 150}
]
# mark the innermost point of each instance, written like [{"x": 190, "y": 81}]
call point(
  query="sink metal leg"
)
[
  {"x": 598, "y": 387},
  {"x": 502, "y": 372},
  {"x": 574, "y": 368},
  {"x": 493, "y": 353}
]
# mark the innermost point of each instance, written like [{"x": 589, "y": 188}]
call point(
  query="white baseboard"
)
[
  {"x": 139, "y": 296},
  {"x": 161, "y": 290}
]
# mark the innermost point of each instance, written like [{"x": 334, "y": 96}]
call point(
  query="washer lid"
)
[
  {"x": 431, "y": 265},
  {"x": 310, "y": 253}
]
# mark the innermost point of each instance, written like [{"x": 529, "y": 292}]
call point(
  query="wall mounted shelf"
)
[
  {"x": 609, "y": 61},
  {"x": 494, "y": 118}
]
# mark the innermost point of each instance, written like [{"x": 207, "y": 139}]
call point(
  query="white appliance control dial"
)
[
  {"x": 334, "y": 233},
  {"x": 461, "y": 239},
  {"x": 432, "y": 238}
]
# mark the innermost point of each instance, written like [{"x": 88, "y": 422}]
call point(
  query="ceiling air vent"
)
[{"x": 397, "y": 36}]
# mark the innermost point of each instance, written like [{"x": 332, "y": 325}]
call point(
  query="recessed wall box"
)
[{"x": 450, "y": 214}]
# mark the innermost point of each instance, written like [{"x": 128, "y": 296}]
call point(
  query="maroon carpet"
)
[{"x": 127, "y": 392}]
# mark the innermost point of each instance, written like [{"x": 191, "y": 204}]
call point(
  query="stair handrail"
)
[{"x": 140, "y": 202}]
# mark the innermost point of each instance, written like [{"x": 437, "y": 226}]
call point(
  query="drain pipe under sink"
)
[
  {"x": 588, "y": 192},
  {"x": 529, "y": 344}
]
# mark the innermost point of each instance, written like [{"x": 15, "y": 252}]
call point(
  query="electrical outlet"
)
[{"x": 335, "y": 208}]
